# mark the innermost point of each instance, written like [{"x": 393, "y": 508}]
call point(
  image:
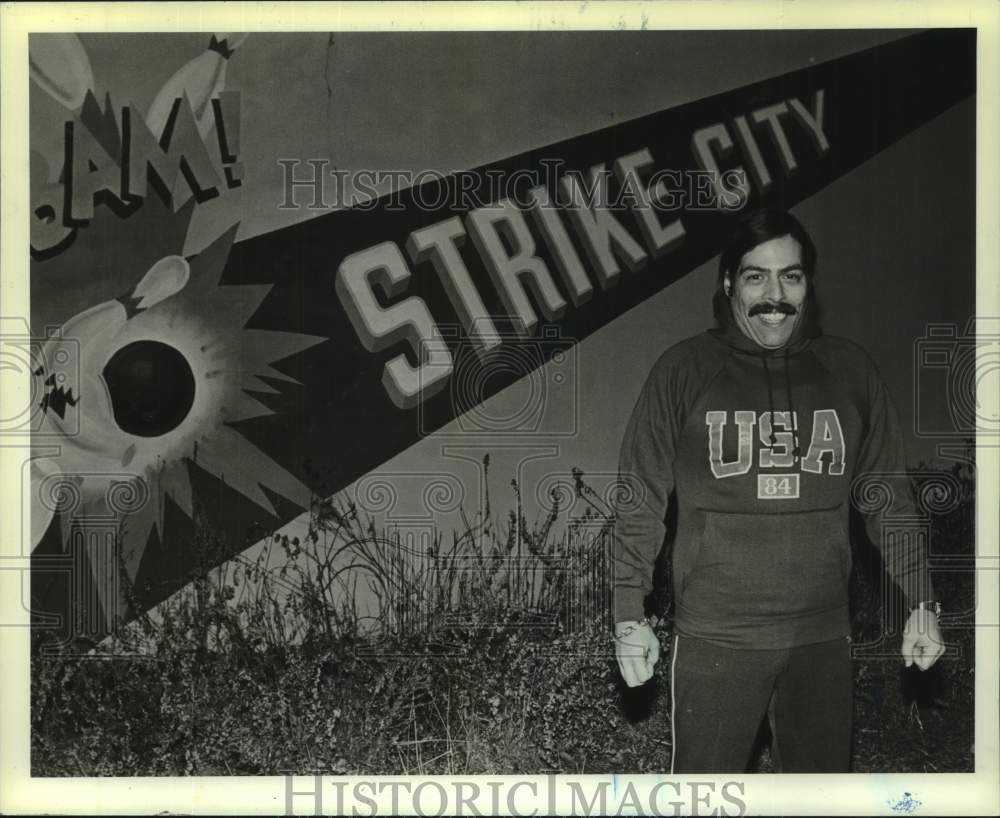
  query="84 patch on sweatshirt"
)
[{"x": 761, "y": 447}]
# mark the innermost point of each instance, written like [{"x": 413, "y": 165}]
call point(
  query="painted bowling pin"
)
[
  {"x": 201, "y": 78},
  {"x": 59, "y": 65}
]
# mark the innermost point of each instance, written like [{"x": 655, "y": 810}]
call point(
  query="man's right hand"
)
[{"x": 637, "y": 649}]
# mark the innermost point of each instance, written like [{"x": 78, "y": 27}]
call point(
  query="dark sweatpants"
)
[{"x": 721, "y": 695}]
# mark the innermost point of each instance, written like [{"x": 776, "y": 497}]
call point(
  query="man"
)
[{"x": 759, "y": 427}]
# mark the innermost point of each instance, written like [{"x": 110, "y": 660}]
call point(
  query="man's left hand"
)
[{"x": 922, "y": 643}]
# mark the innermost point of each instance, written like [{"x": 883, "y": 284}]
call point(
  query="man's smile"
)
[
  {"x": 773, "y": 319},
  {"x": 772, "y": 315}
]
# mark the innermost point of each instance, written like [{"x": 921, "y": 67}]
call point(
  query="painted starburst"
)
[{"x": 167, "y": 369}]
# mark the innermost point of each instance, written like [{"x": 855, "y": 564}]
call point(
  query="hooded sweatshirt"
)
[{"x": 761, "y": 447}]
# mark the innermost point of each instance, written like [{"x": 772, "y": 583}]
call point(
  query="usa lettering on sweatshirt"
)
[{"x": 761, "y": 448}]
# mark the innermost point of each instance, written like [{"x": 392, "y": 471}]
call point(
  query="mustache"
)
[{"x": 766, "y": 307}]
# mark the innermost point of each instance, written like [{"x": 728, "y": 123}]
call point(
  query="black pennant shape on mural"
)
[
  {"x": 339, "y": 421},
  {"x": 344, "y": 417}
]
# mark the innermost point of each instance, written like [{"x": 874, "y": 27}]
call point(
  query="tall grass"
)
[
  {"x": 348, "y": 579},
  {"x": 414, "y": 647},
  {"x": 355, "y": 648}
]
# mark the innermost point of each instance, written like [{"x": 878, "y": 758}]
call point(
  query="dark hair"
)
[{"x": 753, "y": 230}]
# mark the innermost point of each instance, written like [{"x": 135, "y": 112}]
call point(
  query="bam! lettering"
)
[{"x": 117, "y": 164}]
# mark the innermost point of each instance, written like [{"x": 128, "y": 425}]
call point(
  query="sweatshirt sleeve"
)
[
  {"x": 646, "y": 469},
  {"x": 883, "y": 459}
]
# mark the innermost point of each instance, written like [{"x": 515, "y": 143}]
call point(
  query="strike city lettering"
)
[
  {"x": 827, "y": 438},
  {"x": 543, "y": 256},
  {"x": 547, "y": 257}
]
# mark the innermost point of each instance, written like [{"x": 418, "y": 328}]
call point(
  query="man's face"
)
[{"x": 768, "y": 291}]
